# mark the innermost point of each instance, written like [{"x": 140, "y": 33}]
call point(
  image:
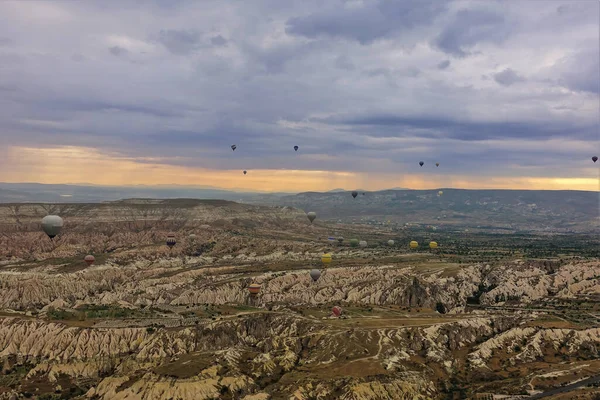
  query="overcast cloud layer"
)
[{"x": 504, "y": 89}]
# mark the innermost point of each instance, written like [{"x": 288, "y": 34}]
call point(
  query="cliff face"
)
[
  {"x": 140, "y": 225},
  {"x": 527, "y": 282},
  {"x": 168, "y": 282},
  {"x": 274, "y": 353}
]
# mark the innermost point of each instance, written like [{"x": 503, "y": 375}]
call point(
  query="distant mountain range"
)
[
  {"x": 37, "y": 192},
  {"x": 504, "y": 210},
  {"x": 90, "y": 193},
  {"x": 498, "y": 210}
]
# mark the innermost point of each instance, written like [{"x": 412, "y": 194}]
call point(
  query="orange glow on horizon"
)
[{"x": 78, "y": 164}]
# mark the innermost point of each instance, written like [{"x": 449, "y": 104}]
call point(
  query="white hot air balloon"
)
[
  {"x": 52, "y": 225},
  {"x": 315, "y": 274}
]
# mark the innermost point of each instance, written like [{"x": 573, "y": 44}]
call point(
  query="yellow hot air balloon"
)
[
  {"x": 326, "y": 258},
  {"x": 414, "y": 245},
  {"x": 440, "y": 193},
  {"x": 433, "y": 245}
]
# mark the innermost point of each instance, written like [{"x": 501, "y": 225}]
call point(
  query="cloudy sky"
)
[{"x": 502, "y": 94}]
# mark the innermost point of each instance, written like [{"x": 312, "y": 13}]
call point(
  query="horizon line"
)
[{"x": 250, "y": 191}]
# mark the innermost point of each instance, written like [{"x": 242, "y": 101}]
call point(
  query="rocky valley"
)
[{"x": 487, "y": 314}]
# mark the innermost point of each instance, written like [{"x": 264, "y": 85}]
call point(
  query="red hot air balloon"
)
[
  {"x": 337, "y": 311},
  {"x": 89, "y": 259},
  {"x": 254, "y": 289}
]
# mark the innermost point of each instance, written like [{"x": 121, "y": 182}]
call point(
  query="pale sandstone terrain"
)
[{"x": 146, "y": 322}]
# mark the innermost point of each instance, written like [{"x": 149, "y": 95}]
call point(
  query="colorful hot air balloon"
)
[
  {"x": 421, "y": 163},
  {"x": 171, "y": 241},
  {"x": 254, "y": 289},
  {"x": 594, "y": 159},
  {"x": 89, "y": 259},
  {"x": 391, "y": 242},
  {"x": 433, "y": 245},
  {"x": 437, "y": 164},
  {"x": 311, "y": 216},
  {"x": 295, "y": 148},
  {"x": 337, "y": 311},
  {"x": 354, "y": 242},
  {"x": 414, "y": 244},
  {"x": 362, "y": 243},
  {"x": 52, "y": 225},
  {"x": 233, "y": 147},
  {"x": 354, "y": 194},
  {"x": 326, "y": 259},
  {"x": 315, "y": 274}
]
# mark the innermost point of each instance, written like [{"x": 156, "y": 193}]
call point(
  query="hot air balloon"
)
[
  {"x": 437, "y": 164},
  {"x": 414, "y": 245},
  {"x": 354, "y": 242},
  {"x": 295, "y": 148},
  {"x": 326, "y": 259},
  {"x": 354, "y": 194},
  {"x": 433, "y": 245},
  {"x": 440, "y": 193},
  {"x": 421, "y": 163},
  {"x": 245, "y": 172},
  {"x": 391, "y": 242},
  {"x": 337, "y": 311},
  {"x": 594, "y": 159},
  {"x": 311, "y": 216},
  {"x": 315, "y": 274},
  {"x": 362, "y": 243},
  {"x": 233, "y": 147},
  {"x": 52, "y": 225},
  {"x": 89, "y": 259},
  {"x": 254, "y": 289},
  {"x": 171, "y": 241}
]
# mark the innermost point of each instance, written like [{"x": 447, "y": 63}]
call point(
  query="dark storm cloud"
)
[
  {"x": 98, "y": 106},
  {"x": 580, "y": 71},
  {"x": 432, "y": 127},
  {"x": 507, "y": 77},
  {"x": 470, "y": 27},
  {"x": 358, "y": 85},
  {"x": 371, "y": 21}
]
